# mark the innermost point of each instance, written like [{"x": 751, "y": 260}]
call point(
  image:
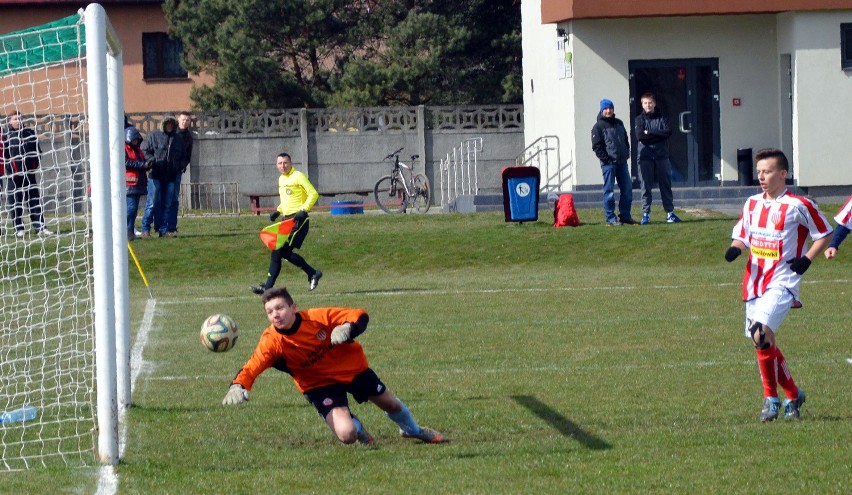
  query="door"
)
[{"x": 687, "y": 91}]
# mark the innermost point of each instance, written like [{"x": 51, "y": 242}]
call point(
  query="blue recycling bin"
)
[{"x": 520, "y": 193}]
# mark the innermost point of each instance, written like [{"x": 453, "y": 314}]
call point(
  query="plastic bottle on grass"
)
[{"x": 19, "y": 415}]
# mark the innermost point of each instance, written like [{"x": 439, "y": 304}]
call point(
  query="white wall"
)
[
  {"x": 822, "y": 101},
  {"x": 549, "y": 107},
  {"x": 744, "y": 46},
  {"x": 748, "y": 48}
]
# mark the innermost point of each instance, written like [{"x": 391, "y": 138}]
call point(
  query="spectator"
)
[
  {"x": 21, "y": 153},
  {"x": 297, "y": 196},
  {"x": 612, "y": 147},
  {"x": 136, "y": 178},
  {"x": 168, "y": 152},
  {"x": 184, "y": 122},
  {"x": 653, "y": 131}
]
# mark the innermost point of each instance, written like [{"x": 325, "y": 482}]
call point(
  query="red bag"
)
[{"x": 564, "y": 213}]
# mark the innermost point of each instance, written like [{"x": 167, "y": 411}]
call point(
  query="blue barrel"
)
[{"x": 347, "y": 207}]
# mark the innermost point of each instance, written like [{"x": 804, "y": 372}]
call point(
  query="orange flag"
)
[{"x": 277, "y": 234}]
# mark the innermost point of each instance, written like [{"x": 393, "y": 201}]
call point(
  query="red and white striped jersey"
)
[
  {"x": 775, "y": 231},
  {"x": 844, "y": 216}
]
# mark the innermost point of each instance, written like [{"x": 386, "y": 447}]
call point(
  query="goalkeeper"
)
[
  {"x": 317, "y": 348},
  {"x": 298, "y": 196}
]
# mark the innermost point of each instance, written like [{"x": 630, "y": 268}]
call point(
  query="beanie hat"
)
[
  {"x": 131, "y": 134},
  {"x": 607, "y": 104}
]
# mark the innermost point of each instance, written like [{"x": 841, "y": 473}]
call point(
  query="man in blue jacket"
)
[{"x": 612, "y": 147}]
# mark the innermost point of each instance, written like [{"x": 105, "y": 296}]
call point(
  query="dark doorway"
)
[{"x": 687, "y": 91}]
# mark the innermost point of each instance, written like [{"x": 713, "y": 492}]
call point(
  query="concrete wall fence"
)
[{"x": 342, "y": 150}]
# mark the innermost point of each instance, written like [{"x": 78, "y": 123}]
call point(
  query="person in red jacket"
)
[
  {"x": 135, "y": 176},
  {"x": 317, "y": 348}
]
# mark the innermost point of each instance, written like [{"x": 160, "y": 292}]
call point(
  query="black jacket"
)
[
  {"x": 609, "y": 140},
  {"x": 653, "y": 144},
  {"x": 20, "y": 149},
  {"x": 168, "y": 150}
]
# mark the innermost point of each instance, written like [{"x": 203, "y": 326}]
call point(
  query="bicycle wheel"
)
[
  {"x": 422, "y": 193},
  {"x": 390, "y": 195}
]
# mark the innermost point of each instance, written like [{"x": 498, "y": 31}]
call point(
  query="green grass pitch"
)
[{"x": 573, "y": 360}]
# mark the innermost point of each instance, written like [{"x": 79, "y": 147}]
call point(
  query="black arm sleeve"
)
[
  {"x": 360, "y": 326},
  {"x": 840, "y": 234}
]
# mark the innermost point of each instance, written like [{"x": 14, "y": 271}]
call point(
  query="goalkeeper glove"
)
[
  {"x": 236, "y": 395},
  {"x": 301, "y": 216},
  {"x": 275, "y": 214},
  {"x": 341, "y": 333},
  {"x": 732, "y": 253},
  {"x": 800, "y": 265}
]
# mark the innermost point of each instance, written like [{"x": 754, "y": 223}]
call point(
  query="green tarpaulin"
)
[{"x": 41, "y": 45}]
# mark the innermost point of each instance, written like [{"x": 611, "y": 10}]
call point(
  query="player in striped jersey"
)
[
  {"x": 774, "y": 227},
  {"x": 844, "y": 225}
]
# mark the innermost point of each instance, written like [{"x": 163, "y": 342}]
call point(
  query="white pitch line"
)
[
  {"x": 849, "y": 360},
  {"x": 408, "y": 292},
  {"x": 107, "y": 477}
]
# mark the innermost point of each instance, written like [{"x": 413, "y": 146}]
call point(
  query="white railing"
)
[
  {"x": 458, "y": 171},
  {"x": 209, "y": 198},
  {"x": 544, "y": 153}
]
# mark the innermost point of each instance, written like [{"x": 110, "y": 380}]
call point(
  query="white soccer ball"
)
[{"x": 219, "y": 333}]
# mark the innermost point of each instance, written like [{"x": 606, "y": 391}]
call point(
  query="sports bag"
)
[{"x": 564, "y": 213}]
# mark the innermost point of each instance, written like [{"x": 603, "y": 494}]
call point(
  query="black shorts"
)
[
  {"x": 297, "y": 236},
  {"x": 367, "y": 384}
]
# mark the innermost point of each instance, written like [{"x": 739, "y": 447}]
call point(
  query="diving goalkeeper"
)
[{"x": 317, "y": 348}]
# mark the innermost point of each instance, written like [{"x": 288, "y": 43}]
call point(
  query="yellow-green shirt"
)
[{"x": 296, "y": 192}]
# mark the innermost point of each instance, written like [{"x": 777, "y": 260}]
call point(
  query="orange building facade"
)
[{"x": 131, "y": 20}]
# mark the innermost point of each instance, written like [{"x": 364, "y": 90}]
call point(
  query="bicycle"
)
[{"x": 394, "y": 193}]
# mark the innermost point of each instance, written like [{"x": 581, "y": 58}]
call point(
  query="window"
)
[
  {"x": 846, "y": 46},
  {"x": 161, "y": 57}
]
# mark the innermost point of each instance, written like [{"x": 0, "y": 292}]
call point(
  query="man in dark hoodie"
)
[
  {"x": 612, "y": 147},
  {"x": 168, "y": 151},
  {"x": 184, "y": 122},
  {"x": 653, "y": 131},
  {"x": 21, "y": 154}
]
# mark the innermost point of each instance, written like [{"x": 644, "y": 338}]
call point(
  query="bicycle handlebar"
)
[{"x": 395, "y": 153}]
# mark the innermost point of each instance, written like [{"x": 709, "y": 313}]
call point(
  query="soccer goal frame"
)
[{"x": 36, "y": 65}]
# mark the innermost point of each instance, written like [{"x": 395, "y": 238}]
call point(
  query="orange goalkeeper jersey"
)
[{"x": 306, "y": 353}]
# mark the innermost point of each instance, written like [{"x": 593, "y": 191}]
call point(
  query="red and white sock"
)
[
  {"x": 768, "y": 364},
  {"x": 785, "y": 379}
]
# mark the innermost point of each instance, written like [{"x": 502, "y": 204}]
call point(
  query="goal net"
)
[{"x": 57, "y": 342}]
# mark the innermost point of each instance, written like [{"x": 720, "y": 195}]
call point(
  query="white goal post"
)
[{"x": 64, "y": 328}]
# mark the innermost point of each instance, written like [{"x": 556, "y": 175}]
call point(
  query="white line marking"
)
[
  {"x": 107, "y": 477},
  {"x": 404, "y": 292}
]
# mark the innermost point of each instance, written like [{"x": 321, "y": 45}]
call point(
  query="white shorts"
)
[{"x": 770, "y": 309}]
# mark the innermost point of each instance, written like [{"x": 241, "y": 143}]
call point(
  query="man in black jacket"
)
[
  {"x": 612, "y": 147},
  {"x": 167, "y": 149},
  {"x": 21, "y": 153},
  {"x": 653, "y": 131}
]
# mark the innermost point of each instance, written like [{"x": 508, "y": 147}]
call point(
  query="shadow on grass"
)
[{"x": 562, "y": 424}]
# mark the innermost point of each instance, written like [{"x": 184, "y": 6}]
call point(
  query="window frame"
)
[{"x": 161, "y": 43}]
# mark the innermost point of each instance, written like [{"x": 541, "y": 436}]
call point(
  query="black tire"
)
[
  {"x": 422, "y": 193},
  {"x": 390, "y": 195}
]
